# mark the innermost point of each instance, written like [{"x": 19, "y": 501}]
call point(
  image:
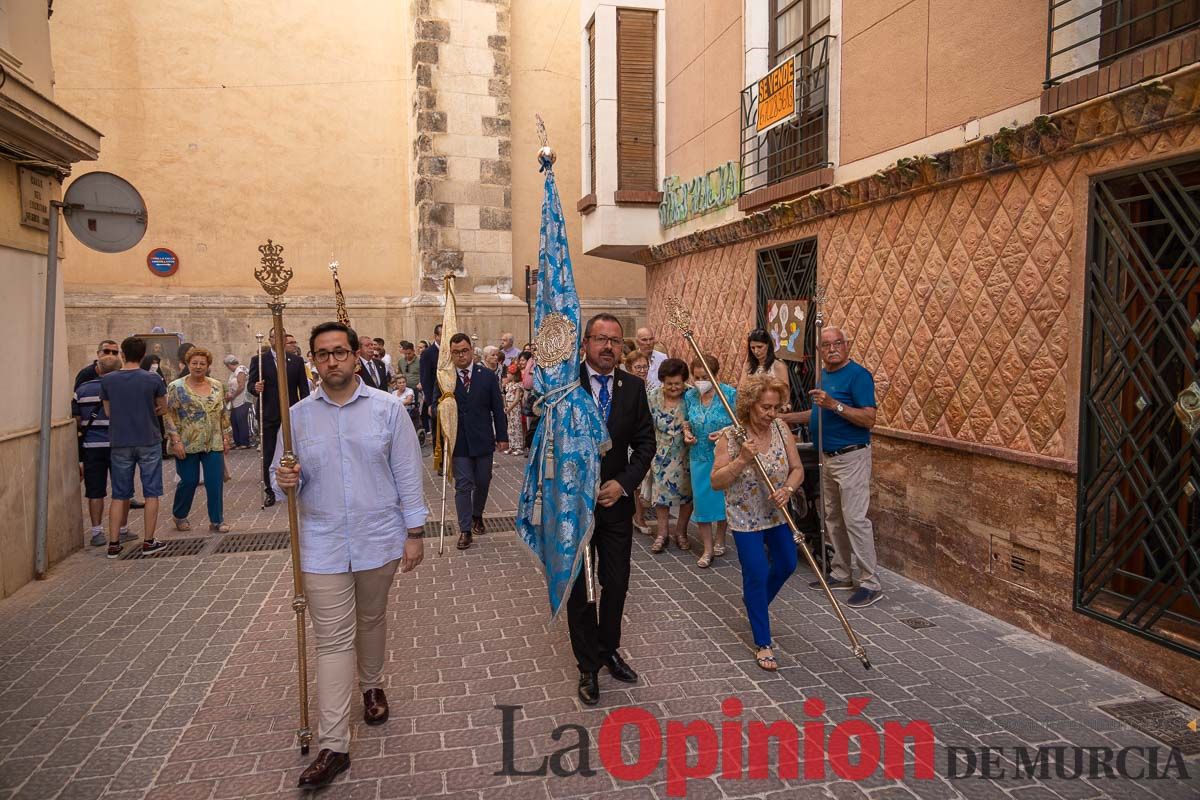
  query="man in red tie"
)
[{"x": 482, "y": 430}]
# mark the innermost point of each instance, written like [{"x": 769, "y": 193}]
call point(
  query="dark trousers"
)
[
  {"x": 594, "y": 642},
  {"x": 213, "y": 464},
  {"x": 472, "y": 479},
  {"x": 270, "y": 433},
  {"x": 239, "y": 418}
]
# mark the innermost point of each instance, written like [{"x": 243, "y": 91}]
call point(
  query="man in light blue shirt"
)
[{"x": 362, "y": 511}]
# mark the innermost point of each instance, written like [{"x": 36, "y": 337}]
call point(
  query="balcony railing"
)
[
  {"x": 799, "y": 141},
  {"x": 1088, "y": 34}
]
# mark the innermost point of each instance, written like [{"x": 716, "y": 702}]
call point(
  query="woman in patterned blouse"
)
[
  {"x": 199, "y": 435},
  {"x": 672, "y": 483},
  {"x": 753, "y": 512}
]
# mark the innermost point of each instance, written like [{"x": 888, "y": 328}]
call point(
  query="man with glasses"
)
[
  {"x": 621, "y": 399},
  {"x": 90, "y": 373},
  {"x": 846, "y": 413},
  {"x": 482, "y": 430},
  {"x": 362, "y": 514}
]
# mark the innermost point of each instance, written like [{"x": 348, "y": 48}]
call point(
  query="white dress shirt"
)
[{"x": 361, "y": 487}]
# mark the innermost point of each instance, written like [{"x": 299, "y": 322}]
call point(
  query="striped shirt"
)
[{"x": 85, "y": 403}]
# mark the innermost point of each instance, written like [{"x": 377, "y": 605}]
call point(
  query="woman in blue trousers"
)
[{"x": 764, "y": 542}]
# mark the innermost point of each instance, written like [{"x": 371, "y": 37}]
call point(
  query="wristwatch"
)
[{"x": 839, "y": 408}]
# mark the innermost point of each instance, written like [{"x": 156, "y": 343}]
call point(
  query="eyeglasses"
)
[
  {"x": 832, "y": 345},
  {"x": 108, "y": 351},
  {"x": 340, "y": 354},
  {"x": 615, "y": 341}
]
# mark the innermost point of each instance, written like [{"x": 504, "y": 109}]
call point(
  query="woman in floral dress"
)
[
  {"x": 672, "y": 483},
  {"x": 514, "y": 401}
]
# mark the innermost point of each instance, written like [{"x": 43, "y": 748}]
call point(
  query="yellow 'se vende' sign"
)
[{"x": 777, "y": 95}]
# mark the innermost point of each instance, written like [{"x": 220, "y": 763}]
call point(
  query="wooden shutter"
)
[
  {"x": 637, "y": 168},
  {"x": 591, "y": 31}
]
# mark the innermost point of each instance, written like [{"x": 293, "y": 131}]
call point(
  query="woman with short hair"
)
[
  {"x": 764, "y": 541},
  {"x": 636, "y": 363},
  {"x": 672, "y": 484},
  {"x": 199, "y": 433}
]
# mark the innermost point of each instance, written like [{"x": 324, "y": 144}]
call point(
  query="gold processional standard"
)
[
  {"x": 273, "y": 276},
  {"x": 679, "y": 317}
]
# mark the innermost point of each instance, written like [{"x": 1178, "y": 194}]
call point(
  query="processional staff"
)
[
  {"x": 274, "y": 276},
  {"x": 680, "y": 318}
]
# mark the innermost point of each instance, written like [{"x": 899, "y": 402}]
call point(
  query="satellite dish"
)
[{"x": 105, "y": 212}]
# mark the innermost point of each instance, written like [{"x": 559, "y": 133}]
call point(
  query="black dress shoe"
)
[
  {"x": 375, "y": 707},
  {"x": 268, "y": 498},
  {"x": 327, "y": 767},
  {"x": 464, "y": 541},
  {"x": 589, "y": 688},
  {"x": 477, "y": 526},
  {"x": 619, "y": 669}
]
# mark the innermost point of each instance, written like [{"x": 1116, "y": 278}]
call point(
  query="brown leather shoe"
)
[
  {"x": 375, "y": 707},
  {"x": 464, "y": 541},
  {"x": 322, "y": 771},
  {"x": 477, "y": 527}
]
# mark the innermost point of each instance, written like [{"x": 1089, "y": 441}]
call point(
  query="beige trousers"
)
[
  {"x": 349, "y": 617},
  {"x": 846, "y": 484}
]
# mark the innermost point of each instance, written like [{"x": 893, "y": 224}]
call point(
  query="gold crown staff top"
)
[
  {"x": 273, "y": 276},
  {"x": 679, "y": 317},
  {"x": 338, "y": 298}
]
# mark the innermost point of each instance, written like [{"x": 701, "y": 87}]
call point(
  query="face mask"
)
[{"x": 703, "y": 386}]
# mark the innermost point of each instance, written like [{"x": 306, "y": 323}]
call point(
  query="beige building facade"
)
[
  {"x": 999, "y": 232},
  {"x": 395, "y": 138},
  {"x": 40, "y": 141}
]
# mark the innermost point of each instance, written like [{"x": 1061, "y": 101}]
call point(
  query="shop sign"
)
[{"x": 715, "y": 189}]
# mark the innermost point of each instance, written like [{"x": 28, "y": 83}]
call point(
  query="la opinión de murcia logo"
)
[{"x": 853, "y": 749}]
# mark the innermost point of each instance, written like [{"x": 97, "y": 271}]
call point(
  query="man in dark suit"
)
[
  {"x": 621, "y": 398},
  {"x": 430, "y": 391},
  {"x": 482, "y": 430},
  {"x": 264, "y": 380},
  {"x": 372, "y": 371}
]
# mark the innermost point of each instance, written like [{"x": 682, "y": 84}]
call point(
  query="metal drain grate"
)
[
  {"x": 916, "y": 623},
  {"x": 254, "y": 542},
  {"x": 1164, "y": 719},
  {"x": 490, "y": 524},
  {"x": 175, "y": 547}
]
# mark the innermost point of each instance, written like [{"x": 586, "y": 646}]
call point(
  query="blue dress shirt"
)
[{"x": 361, "y": 486}]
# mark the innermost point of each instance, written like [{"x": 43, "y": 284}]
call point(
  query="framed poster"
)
[
  {"x": 166, "y": 347},
  {"x": 786, "y": 322}
]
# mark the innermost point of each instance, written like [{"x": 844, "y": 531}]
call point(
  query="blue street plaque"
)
[{"x": 162, "y": 262}]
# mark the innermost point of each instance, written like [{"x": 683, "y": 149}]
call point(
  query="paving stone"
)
[{"x": 198, "y": 701}]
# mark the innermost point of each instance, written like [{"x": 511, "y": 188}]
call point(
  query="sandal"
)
[
  {"x": 181, "y": 524},
  {"x": 640, "y": 527},
  {"x": 660, "y": 544},
  {"x": 704, "y": 561},
  {"x": 682, "y": 542},
  {"x": 768, "y": 661},
  {"x": 220, "y": 527},
  {"x": 718, "y": 550}
]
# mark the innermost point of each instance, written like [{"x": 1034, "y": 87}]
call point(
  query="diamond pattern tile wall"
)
[{"x": 956, "y": 298}]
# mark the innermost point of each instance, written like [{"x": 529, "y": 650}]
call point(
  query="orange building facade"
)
[{"x": 1000, "y": 202}]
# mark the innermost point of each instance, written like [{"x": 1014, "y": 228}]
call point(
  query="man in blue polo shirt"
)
[{"x": 846, "y": 413}]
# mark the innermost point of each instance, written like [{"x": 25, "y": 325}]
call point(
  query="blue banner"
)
[{"x": 562, "y": 479}]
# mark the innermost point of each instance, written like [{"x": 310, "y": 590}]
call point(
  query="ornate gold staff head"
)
[
  {"x": 546, "y": 155},
  {"x": 272, "y": 274},
  {"x": 679, "y": 317},
  {"x": 339, "y": 299}
]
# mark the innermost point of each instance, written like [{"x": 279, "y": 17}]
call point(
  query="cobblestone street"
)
[{"x": 175, "y": 677}]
